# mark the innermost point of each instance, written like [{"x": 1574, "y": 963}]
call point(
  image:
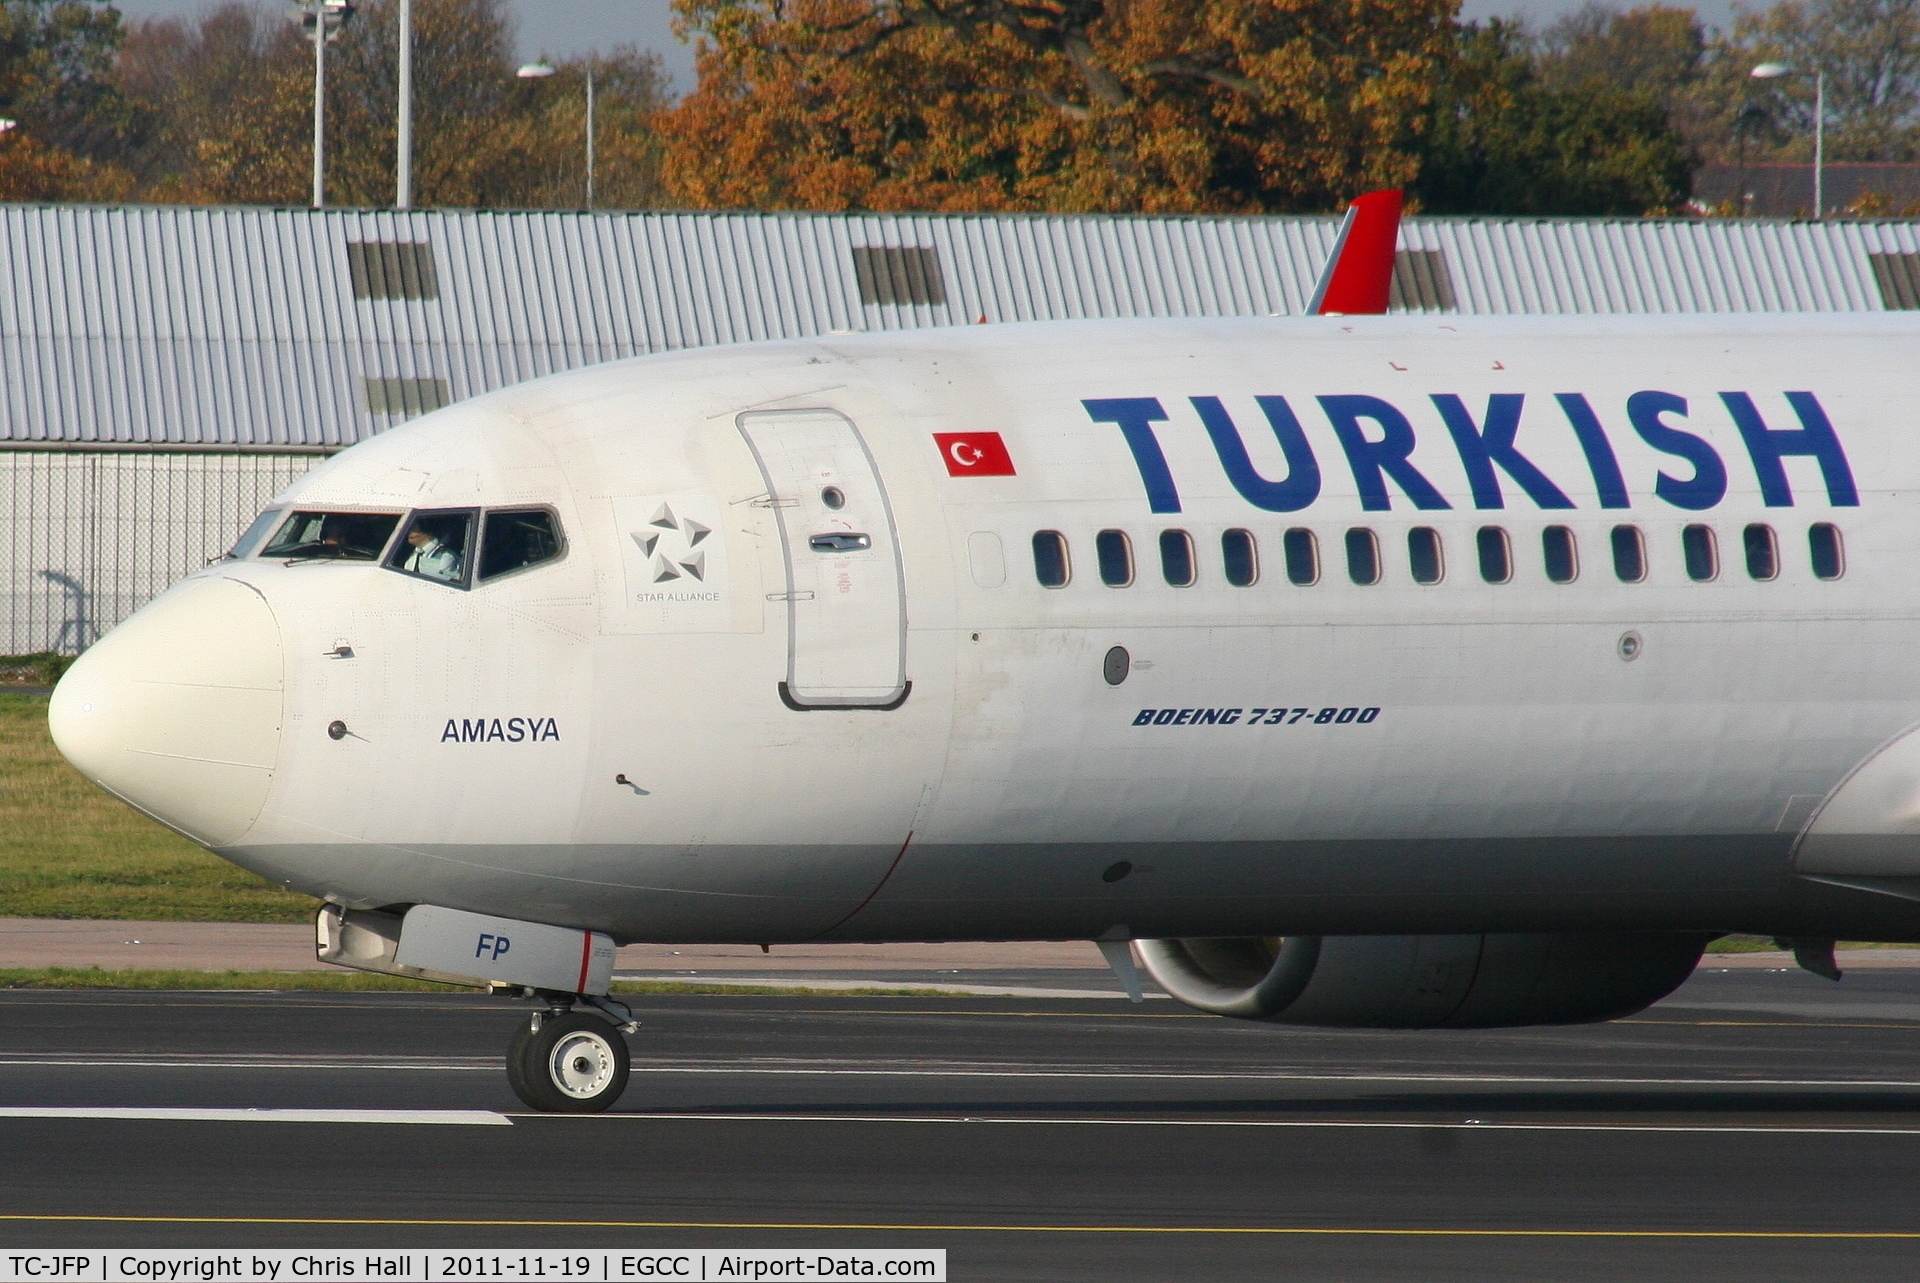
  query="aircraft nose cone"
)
[{"x": 177, "y": 711}]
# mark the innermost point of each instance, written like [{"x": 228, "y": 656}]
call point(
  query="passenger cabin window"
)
[
  {"x": 1629, "y": 554},
  {"x": 341, "y": 536},
  {"x": 1424, "y": 555},
  {"x": 1562, "y": 558},
  {"x": 254, "y": 534},
  {"x": 435, "y": 547},
  {"x": 1114, "y": 551},
  {"x": 514, "y": 539},
  {"x": 1302, "y": 553},
  {"x": 1240, "y": 557},
  {"x": 1496, "y": 554},
  {"x": 1050, "y": 564},
  {"x": 1763, "y": 552},
  {"x": 1701, "y": 554},
  {"x": 1823, "y": 542},
  {"x": 1176, "y": 558},
  {"x": 1363, "y": 556}
]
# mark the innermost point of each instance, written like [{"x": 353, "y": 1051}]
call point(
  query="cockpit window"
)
[
  {"x": 435, "y": 547},
  {"x": 345, "y": 536},
  {"x": 262, "y": 527},
  {"x": 514, "y": 539}
]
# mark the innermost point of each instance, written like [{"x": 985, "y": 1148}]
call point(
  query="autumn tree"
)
[
  {"x": 1870, "y": 50},
  {"x": 235, "y": 93},
  {"x": 31, "y": 170},
  {"x": 192, "y": 80},
  {"x": 547, "y": 128},
  {"x": 1507, "y": 140},
  {"x": 55, "y": 56},
  {"x": 1595, "y": 115},
  {"x": 1080, "y": 105},
  {"x": 1658, "y": 50},
  {"x": 69, "y": 121}
]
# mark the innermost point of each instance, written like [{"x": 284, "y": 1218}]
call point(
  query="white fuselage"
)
[{"x": 850, "y": 710}]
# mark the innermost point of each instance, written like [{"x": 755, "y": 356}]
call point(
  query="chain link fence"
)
[{"x": 92, "y": 535}]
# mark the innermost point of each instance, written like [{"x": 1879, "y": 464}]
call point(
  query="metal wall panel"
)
[{"x": 242, "y": 326}]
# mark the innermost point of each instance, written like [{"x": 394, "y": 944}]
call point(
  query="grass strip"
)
[
  {"x": 68, "y": 850},
  {"x": 344, "y": 981},
  {"x": 1765, "y": 944}
]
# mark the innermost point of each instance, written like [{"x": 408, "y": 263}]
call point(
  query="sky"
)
[
  {"x": 1541, "y": 13},
  {"x": 566, "y": 28}
]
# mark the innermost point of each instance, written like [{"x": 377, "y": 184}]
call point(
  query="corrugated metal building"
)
[{"x": 168, "y": 369}]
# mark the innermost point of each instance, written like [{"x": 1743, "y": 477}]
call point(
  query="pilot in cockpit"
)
[
  {"x": 430, "y": 557},
  {"x": 347, "y": 535},
  {"x": 333, "y": 538}
]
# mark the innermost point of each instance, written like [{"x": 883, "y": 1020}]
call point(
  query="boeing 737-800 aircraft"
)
[{"x": 1358, "y": 670}]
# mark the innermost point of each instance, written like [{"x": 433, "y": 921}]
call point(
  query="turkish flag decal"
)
[{"x": 974, "y": 454}]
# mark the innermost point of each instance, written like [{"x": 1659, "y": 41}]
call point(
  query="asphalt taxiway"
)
[{"x": 1759, "y": 1124}]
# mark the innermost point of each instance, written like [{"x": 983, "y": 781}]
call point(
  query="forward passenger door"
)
[{"x": 845, "y": 587}]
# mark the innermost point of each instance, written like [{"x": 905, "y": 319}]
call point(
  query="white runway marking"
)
[
  {"x": 488, "y": 1118},
  {"x": 487, "y": 1064},
  {"x": 439, "y": 1117},
  {"x": 1450, "y": 1080},
  {"x": 1471, "y": 1125}
]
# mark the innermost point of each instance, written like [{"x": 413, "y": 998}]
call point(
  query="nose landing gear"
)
[{"x": 569, "y": 1062}]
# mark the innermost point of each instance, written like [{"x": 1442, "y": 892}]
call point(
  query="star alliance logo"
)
[{"x": 673, "y": 543}]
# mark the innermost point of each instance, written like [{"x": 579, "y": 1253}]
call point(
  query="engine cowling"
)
[{"x": 1424, "y": 982}]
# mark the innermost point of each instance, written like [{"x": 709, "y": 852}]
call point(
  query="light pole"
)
[
  {"x": 323, "y": 20},
  {"x": 540, "y": 71},
  {"x": 1743, "y": 125},
  {"x": 1775, "y": 70},
  {"x": 403, "y": 160}
]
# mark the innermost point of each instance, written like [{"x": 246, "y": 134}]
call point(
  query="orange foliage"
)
[
  {"x": 34, "y": 171},
  {"x": 1151, "y": 106}
]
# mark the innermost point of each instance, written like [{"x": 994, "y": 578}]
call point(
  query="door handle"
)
[{"x": 839, "y": 542}]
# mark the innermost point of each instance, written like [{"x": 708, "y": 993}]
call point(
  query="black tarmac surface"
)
[{"x": 1757, "y": 1125}]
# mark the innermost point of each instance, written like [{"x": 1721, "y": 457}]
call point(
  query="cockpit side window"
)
[
  {"x": 435, "y": 547},
  {"x": 342, "y": 536},
  {"x": 256, "y": 534},
  {"x": 515, "y": 538}
]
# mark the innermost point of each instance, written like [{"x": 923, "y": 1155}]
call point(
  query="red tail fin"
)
[{"x": 1360, "y": 273}]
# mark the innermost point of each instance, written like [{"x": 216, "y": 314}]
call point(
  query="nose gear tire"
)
[{"x": 572, "y": 1064}]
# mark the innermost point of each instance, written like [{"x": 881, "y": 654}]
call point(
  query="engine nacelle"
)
[{"x": 1424, "y": 982}]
